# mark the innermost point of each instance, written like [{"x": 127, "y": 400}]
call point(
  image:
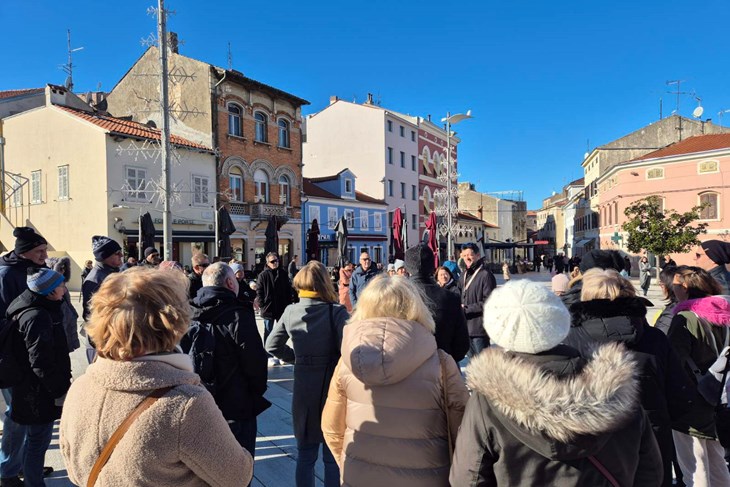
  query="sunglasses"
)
[
  {"x": 365, "y": 260},
  {"x": 204, "y": 265},
  {"x": 273, "y": 261}
]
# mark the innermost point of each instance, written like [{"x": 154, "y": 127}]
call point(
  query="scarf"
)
[{"x": 308, "y": 294}]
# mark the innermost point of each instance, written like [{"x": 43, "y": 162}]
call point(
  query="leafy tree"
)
[{"x": 661, "y": 231}]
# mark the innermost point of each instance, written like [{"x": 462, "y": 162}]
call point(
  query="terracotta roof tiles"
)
[
  {"x": 691, "y": 145},
  {"x": 14, "y": 93}
]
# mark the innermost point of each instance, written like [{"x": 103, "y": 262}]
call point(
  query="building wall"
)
[
  {"x": 18, "y": 104},
  {"x": 406, "y": 177}
]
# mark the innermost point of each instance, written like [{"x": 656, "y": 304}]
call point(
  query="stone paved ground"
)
[{"x": 275, "y": 447}]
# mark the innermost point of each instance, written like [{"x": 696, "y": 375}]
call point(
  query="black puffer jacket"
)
[
  {"x": 274, "y": 292},
  {"x": 666, "y": 391},
  {"x": 238, "y": 347},
  {"x": 665, "y": 317},
  {"x": 13, "y": 275},
  {"x": 572, "y": 295},
  {"x": 476, "y": 284},
  {"x": 453, "y": 286},
  {"x": 196, "y": 282},
  {"x": 92, "y": 283},
  {"x": 535, "y": 420},
  {"x": 41, "y": 347}
]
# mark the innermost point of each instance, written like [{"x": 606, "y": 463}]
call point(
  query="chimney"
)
[
  {"x": 172, "y": 43},
  {"x": 333, "y": 99},
  {"x": 370, "y": 99},
  {"x": 429, "y": 117}
]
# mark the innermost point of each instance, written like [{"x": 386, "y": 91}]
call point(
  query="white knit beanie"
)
[{"x": 524, "y": 316}]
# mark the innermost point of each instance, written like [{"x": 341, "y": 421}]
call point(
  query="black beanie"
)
[
  {"x": 103, "y": 247},
  {"x": 420, "y": 260},
  {"x": 27, "y": 239},
  {"x": 149, "y": 251},
  {"x": 604, "y": 259},
  {"x": 718, "y": 251}
]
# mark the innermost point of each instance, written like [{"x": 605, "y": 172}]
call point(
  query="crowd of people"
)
[{"x": 573, "y": 385}]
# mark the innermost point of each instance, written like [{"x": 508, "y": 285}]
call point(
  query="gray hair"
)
[{"x": 216, "y": 274}]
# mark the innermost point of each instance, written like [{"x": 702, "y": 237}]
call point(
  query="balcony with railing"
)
[{"x": 262, "y": 211}]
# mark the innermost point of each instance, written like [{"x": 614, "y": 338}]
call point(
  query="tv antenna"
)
[
  {"x": 230, "y": 57},
  {"x": 679, "y": 91},
  {"x": 697, "y": 112},
  {"x": 721, "y": 113},
  {"x": 69, "y": 67}
]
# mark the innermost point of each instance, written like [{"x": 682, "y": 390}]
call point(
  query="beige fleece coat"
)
[
  {"x": 384, "y": 419},
  {"x": 181, "y": 441}
]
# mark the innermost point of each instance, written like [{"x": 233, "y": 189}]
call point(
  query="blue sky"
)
[{"x": 543, "y": 79}]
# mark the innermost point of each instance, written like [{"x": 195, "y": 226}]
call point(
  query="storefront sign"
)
[{"x": 180, "y": 221}]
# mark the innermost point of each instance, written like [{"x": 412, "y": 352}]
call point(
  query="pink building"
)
[{"x": 683, "y": 174}]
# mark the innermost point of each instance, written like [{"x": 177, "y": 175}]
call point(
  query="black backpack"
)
[{"x": 11, "y": 371}]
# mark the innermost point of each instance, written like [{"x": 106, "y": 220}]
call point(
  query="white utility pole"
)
[{"x": 165, "y": 130}]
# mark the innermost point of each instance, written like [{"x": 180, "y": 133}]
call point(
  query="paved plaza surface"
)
[{"x": 275, "y": 445}]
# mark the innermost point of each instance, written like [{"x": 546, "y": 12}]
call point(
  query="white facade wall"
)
[{"x": 402, "y": 177}]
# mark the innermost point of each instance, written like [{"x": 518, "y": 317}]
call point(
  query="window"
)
[
  {"x": 402, "y": 131},
  {"x": 261, "y": 183},
  {"x": 615, "y": 209},
  {"x": 284, "y": 133},
  {"x": 35, "y": 187},
  {"x": 62, "y": 183},
  {"x": 413, "y": 222},
  {"x": 655, "y": 173},
  {"x": 390, "y": 126},
  {"x": 235, "y": 183},
  {"x": 402, "y": 159},
  {"x": 350, "y": 217},
  {"x": 413, "y": 163},
  {"x": 426, "y": 200},
  {"x": 331, "y": 217},
  {"x": 413, "y": 192},
  {"x": 403, "y": 190},
  {"x": 610, "y": 215},
  {"x": 413, "y": 136},
  {"x": 708, "y": 167},
  {"x": 378, "y": 254},
  {"x": 136, "y": 182},
  {"x": 284, "y": 191},
  {"x": 390, "y": 155},
  {"x": 390, "y": 187},
  {"x": 710, "y": 211},
  {"x": 313, "y": 214},
  {"x": 17, "y": 193},
  {"x": 261, "y": 127},
  {"x": 235, "y": 127},
  {"x": 200, "y": 190},
  {"x": 378, "y": 221},
  {"x": 348, "y": 185},
  {"x": 363, "y": 219}
]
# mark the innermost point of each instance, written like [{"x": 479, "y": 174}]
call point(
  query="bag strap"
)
[
  {"x": 106, "y": 453},
  {"x": 446, "y": 403},
  {"x": 599, "y": 466}
]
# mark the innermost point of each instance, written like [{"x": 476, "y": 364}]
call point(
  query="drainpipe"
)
[
  {"x": 214, "y": 117},
  {"x": 2, "y": 169}
]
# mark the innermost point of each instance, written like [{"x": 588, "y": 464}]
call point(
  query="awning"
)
[{"x": 584, "y": 242}]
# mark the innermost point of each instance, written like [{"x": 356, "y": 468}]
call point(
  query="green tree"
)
[{"x": 661, "y": 231}]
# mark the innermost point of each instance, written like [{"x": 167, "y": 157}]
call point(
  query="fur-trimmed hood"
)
[
  {"x": 715, "y": 309},
  {"x": 561, "y": 416}
]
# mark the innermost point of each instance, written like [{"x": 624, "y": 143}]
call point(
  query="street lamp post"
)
[{"x": 450, "y": 200}]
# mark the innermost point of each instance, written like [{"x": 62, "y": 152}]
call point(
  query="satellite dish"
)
[{"x": 697, "y": 113}]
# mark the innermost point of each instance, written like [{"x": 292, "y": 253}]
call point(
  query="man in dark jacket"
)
[
  {"x": 451, "y": 334},
  {"x": 200, "y": 262},
  {"x": 274, "y": 292},
  {"x": 239, "y": 358},
  {"x": 151, "y": 258},
  {"x": 713, "y": 256},
  {"x": 361, "y": 276},
  {"x": 476, "y": 284},
  {"x": 41, "y": 349}
]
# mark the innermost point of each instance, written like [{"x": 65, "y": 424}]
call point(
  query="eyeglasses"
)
[
  {"x": 366, "y": 259},
  {"x": 698, "y": 255},
  {"x": 204, "y": 265},
  {"x": 273, "y": 261}
]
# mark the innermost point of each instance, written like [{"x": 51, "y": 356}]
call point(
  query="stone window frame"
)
[
  {"x": 703, "y": 216},
  {"x": 649, "y": 177},
  {"x": 286, "y": 143},
  {"x": 713, "y": 161},
  {"x": 232, "y": 116},
  {"x": 261, "y": 131}
]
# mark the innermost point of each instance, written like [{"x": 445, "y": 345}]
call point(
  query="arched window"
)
[
  {"x": 261, "y": 183},
  {"x": 261, "y": 127},
  {"x": 426, "y": 160},
  {"x": 284, "y": 191},
  {"x": 711, "y": 201},
  {"x": 284, "y": 133},
  {"x": 235, "y": 183},
  {"x": 438, "y": 160},
  {"x": 235, "y": 126},
  {"x": 426, "y": 201}
]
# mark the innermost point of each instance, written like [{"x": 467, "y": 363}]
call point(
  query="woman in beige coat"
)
[
  {"x": 182, "y": 440},
  {"x": 385, "y": 420}
]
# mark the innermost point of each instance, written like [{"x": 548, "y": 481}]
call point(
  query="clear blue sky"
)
[{"x": 544, "y": 79}]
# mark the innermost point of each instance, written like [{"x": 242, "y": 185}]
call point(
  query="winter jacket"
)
[
  {"x": 181, "y": 441},
  {"x": 476, "y": 284},
  {"x": 92, "y": 283},
  {"x": 453, "y": 286},
  {"x": 274, "y": 292},
  {"x": 535, "y": 420},
  {"x": 698, "y": 332},
  {"x": 384, "y": 420},
  {"x": 240, "y": 362},
  {"x": 196, "y": 282},
  {"x": 665, "y": 389},
  {"x": 315, "y": 328},
  {"x": 42, "y": 350},
  {"x": 644, "y": 275},
  {"x": 359, "y": 279},
  {"x": 572, "y": 295},
  {"x": 451, "y": 334},
  {"x": 245, "y": 294},
  {"x": 664, "y": 319},
  {"x": 13, "y": 275},
  {"x": 722, "y": 276},
  {"x": 343, "y": 290}
]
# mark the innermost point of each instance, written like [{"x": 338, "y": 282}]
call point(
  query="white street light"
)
[{"x": 450, "y": 200}]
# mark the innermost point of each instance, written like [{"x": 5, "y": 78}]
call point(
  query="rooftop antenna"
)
[
  {"x": 230, "y": 57},
  {"x": 679, "y": 91},
  {"x": 721, "y": 113},
  {"x": 68, "y": 67},
  {"x": 697, "y": 112}
]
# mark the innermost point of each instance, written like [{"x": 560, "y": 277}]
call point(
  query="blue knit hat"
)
[{"x": 43, "y": 281}]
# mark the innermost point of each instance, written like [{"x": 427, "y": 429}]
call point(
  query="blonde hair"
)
[
  {"x": 393, "y": 297},
  {"x": 605, "y": 284},
  {"x": 314, "y": 277},
  {"x": 139, "y": 311}
]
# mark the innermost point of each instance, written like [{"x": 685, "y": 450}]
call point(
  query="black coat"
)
[
  {"x": 572, "y": 295},
  {"x": 451, "y": 334},
  {"x": 274, "y": 292},
  {"x": 665, "y": 318},
  {"x": 666, "y": 391},
  {"x": 13, "y": 275},
  {"x": 453, "y": 286},
  {"x": 475, "y": 295},
  {"x": 92, "y": 283},
  {"x": 238, "y": 347},
  {"x": 722, "y": 276},
  {"x": 41, "y": 348},
  {"x": 196, "y": 282}
]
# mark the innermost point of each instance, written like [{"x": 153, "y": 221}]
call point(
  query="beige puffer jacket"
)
[
  {"x": 182, "y": 440},
  {"x": 384, "y": 420}
]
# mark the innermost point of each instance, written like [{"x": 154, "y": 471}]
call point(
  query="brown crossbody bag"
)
[{"x": 106, "y": 453}]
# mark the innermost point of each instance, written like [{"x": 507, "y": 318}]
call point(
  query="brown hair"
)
[
  {"x": 314, "y": 277},
  {"x": 699, "y": 282},
  {"x": 139, "y": 311},
  {"x": 605, "y": 284}
]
